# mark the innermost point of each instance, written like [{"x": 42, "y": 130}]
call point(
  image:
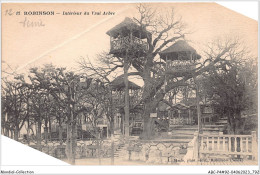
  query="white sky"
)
[{"x": 65, "y": 39}]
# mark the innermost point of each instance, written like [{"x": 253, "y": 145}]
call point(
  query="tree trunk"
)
[
  {"x": 16, "y": 129},
  {"x": 28, "y": 131},
  {"x": 12, "y": 134},
  {"x": 3, "y": 130},
  {"x": 7, "y": 132},
  {"x": 46, "y": 134},
  {"x": 50, "y": 129},
  {"x": 198, "y": 108},
  {"x": 69, "y": 131},
  {"x": 112, "y": 126},
  {"x": 229, "y": 129},
  {"x": 16, "y": 132},
  {"x": 68, "y": 142},
  {"x": 60, "y": 133},
  {"x": 46, "y": 129},
  {"x": 127, "y": 102},
  {"x": 39, "y": 134},
  {"x": 149, "y": 126},
  {"x": 236, "y": 124},
  {"x": 71, "y": 143},
  {"x": 71, "y": 136},
  {"x": 3, "y": 124},
  {"x": 149, "y": 102},
  {"x": 122, "y": 123}
]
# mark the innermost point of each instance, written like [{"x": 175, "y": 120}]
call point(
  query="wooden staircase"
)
[
  {"x": 178, "y": 136},
  {"x": 222, "y": 121},
  {"x": 182, "y": 135},
  {"x": 216, "y": 127},
  {"x": 120, "y": 151}
]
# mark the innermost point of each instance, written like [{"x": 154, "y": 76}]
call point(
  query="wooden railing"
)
[
  {"x": 206, "y": 119},
  {"x": 209, "y": 144},
  {"x": 119, "y": 100},
  {"x": 181, "y": 121},
  {"x": 127, "y": 42},
  {"x": 180, "y": 65}
]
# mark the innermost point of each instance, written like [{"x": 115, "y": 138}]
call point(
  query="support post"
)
[
  {"x": 247, "y": 144},
  {"x": 99, "y": 150},
  {"x": 224, "y": 141},
  {"x": 218, "y": 143},
  {"x": 112, "y": 150},
  {"x": 229, "y": 144},
  {"x": 201, "y": 144},
  {"x": 196, "y": 146},
  {"x": 179, "y": 117},
  {"x": 240, "y": 144},
  {"x": 190, "y": 120},
  {"x": 208, "y": 143},
  {"x": 235, "y": 144},
  {"x": 46, "y": 134},
  {"x": 198, "y": 113},
  {"x": 220, "y": 135},
  {"x": 254, "y": 145},
  {"x": 198, "y": 106},
  {"x": 127, "y": 104},
  {"x": 213, "y": 143}
]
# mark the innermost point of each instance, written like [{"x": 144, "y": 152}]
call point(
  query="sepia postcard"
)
[{"x": 158, "y": 83}]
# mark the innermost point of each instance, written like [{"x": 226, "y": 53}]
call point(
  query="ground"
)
[{"x": 107, "y": 161}]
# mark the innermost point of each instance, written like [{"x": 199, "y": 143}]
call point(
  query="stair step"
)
[
  {"x": 183, "y": 133},
  {"x": 184, "y": 130},
  {"x": 213, "y": 126},
  {"x": 184, "y": 126},
  {"x": 182, "y": 136},
  {"x": 225, "y": 118},
  {"x": 221, "y": 123},
  {"x": 177, "y": 140},
  {"x": 222, "y": 120},
  {"x": 189, "y": 129},
  {"x": 210, "y": 129}
]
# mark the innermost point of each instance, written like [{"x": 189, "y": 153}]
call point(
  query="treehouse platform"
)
[
  {"x": 180, "y": 58},
  {"x": 126, "y": 46},
  {"x": 128, "y": 39}
]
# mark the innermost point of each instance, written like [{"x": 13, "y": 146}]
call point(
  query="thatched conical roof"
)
[
  {"x": 118, "y": 84},
  {"x": 180, "y": 46},
  {"x": 125, "y": 27}
]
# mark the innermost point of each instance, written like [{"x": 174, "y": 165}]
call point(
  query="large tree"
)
[
  {"x": 67, "y": 92},
  {"x": 15, "y": 104},
  {"x": 232, "y": 87},
  {"x": 161, "y": 31}
]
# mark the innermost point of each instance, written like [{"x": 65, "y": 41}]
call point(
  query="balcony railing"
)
[
  {"x": 119, "y": 101},
  {"x": 126, "y": 43},
  {"x": 228, "y": 144},
  {"x": 219, "y": 145},
  {"x": 180, "y": 65}
]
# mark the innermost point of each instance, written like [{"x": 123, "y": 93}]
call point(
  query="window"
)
[{"x": 207, "y": 110}]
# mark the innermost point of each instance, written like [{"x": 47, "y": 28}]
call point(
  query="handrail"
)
[
  {"x": 217, "y": 135},
  {"x": 125, "y": 42},
  {"x": 231, "y": 144}
]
